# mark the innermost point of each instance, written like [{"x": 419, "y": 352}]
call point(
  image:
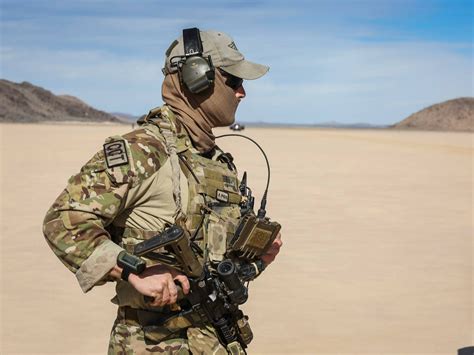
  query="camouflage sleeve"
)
[{"x": 74, "y": 226}]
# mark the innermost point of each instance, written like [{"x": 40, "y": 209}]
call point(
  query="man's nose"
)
[{"x": 240, "y": 92}]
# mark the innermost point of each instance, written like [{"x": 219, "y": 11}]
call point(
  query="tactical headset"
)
[{"x": 194, "y": 70}]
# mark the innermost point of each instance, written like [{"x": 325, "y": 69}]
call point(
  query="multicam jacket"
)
[{"x": 127, "y": 193}]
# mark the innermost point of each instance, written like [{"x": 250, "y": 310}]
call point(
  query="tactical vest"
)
[{"x": 212, "y": 213}]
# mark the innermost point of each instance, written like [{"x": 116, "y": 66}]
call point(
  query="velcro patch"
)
[
  {"x": 222, "y": 196},
  {"x": 115, "y": 153}
]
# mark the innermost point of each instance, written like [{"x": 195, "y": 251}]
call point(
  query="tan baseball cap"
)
[{"x": 224, "y": 54}]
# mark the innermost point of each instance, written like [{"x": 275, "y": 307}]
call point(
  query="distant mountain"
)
[
  {"x": 361, "y": 125},
  {"x": 25, "y": 102},
  {"x": 451, "y": 115},
  {"x": 331, "y": 124},
  {"x": 126, "y": 117}
]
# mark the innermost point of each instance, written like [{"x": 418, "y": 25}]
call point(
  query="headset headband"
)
[{"x": 192, "y": 42}]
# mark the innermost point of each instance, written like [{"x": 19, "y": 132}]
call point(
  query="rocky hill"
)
[
  {"x": 25, "y": 102},
  {"x": 451, "y": 115}
]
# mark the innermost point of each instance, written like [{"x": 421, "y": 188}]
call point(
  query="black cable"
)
[{"x": 263, "y": 203}]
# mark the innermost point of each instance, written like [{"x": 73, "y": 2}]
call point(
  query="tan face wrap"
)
[{"x": 215, "y": 107}]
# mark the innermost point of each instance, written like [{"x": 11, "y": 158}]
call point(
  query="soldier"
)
[{"x": 168, "y": 171}]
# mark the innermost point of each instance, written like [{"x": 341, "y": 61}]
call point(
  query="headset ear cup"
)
[{"x": 197, "y": 74}]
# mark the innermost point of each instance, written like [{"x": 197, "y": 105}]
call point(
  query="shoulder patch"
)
[{"x": 115, "y": 153}]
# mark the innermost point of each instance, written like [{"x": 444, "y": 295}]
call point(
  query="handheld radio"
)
[{"x": 255, "y": 232}]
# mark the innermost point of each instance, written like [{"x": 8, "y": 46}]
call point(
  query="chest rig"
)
[
  {"x": 213, "y": 209},
  {"x": 201, "y": 241}
]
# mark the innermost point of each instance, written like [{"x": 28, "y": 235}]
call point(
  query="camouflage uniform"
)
[{"x": 127, "y": 193}]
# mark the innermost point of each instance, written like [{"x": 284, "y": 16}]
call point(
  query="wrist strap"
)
[{"x": 125, "y": 273}]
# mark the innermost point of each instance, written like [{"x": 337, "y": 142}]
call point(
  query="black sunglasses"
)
[{"x": 232, "y": 81}]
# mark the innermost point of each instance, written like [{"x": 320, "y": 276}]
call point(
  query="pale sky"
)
[{"x": 330, "y": 60}]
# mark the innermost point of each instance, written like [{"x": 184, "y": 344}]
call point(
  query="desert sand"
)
[{"x": 377, "y": 230}]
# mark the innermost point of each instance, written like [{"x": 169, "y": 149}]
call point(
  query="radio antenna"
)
[{"x": 261, "y": 212}]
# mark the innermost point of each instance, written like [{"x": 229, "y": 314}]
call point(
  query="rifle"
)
[{"x": 215, "y": 295}]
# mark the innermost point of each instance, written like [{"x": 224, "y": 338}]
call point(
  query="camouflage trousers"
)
[{"x": 129, "y": 339}]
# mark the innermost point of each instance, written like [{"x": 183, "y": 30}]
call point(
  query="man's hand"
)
[
  {"x": 273, "y": 251},
  {"x": 158, "y": 282}
]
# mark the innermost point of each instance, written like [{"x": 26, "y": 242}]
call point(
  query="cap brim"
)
[{"x": 246, "y": 70}]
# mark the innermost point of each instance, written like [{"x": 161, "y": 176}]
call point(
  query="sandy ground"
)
[{"x": 377, "y": 225}]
